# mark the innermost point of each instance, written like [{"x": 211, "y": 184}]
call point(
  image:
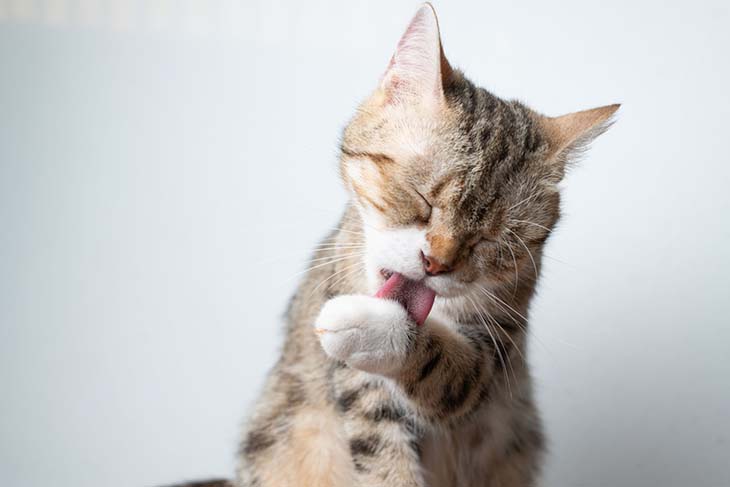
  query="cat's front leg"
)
[{"x": 372, "y": 336}]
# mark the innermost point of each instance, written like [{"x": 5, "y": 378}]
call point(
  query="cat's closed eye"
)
[{"x": 425, "y": 208}]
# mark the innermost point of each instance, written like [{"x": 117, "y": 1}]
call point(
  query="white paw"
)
[{"x": 367, "y": 333}]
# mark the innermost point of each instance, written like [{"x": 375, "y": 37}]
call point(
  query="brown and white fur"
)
[{"x": 456, "y": 187}]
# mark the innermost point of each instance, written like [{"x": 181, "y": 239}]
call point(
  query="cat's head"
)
[{"x": 454, "y": 185}]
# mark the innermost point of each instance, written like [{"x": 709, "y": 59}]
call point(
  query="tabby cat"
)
[{"x": 405, "y": 357}]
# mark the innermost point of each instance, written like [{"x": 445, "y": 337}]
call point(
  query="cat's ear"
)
[
  {"x": 418, "y": 68},
  {"x": 571, "y": 134}
]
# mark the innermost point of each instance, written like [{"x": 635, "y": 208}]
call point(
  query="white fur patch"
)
[
  {"x": 367, "y": 333},
  {"x": 395, "y": 249}
]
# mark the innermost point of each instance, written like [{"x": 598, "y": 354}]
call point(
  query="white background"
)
[{"x": 165, "y": 167}]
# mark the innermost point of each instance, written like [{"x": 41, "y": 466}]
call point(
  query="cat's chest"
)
[{"x": 464, "y": 455}]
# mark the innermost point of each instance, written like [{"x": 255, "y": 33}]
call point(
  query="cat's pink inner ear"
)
[
  {"x": 416, "y": 69},
  {"x": 576, "y": 128}
]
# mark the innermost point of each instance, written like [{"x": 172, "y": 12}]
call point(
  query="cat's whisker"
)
[
  {"x": 508, "y": 311},
  {"x": 492, "y": 320},
  {"x": 495, "y": 322},
  {"x": 336, "y": 247},
  {"x": 534, "y": 265},
  {"x": 497, "y": 300},
  {"x": 299, "y": 221},
  {"x": 499, "y": 327},
  {"x": 532, "y": 223},
  {"x": 338, "y": 233},
  {"x": 514, "y": 260},
  {"x": 335, "y": 256},
  {"x": 494, "y": 341},
  {"x": 518, "y": 324},
  {"x": 325, "y": 247},
  {"x": 350, "y": 273},
  {"x": 332, "y": 261},
  {"x": 301, "y": 254},
  {"x": 335, "y": 251},
  {"x": 346, "y": 268},
  {"x": 522, "y": 202},
  {"x": 487, "y": 306},
  {"x": 353, "y": 232},
  {"x": 336, "y": 241},
  {"x": 360, "y": 221}
]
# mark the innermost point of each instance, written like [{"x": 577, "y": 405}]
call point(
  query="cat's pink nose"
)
[{"x": 433, "y": 266}]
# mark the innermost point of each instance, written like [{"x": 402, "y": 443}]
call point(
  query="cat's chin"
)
[{"x": 446, "y": 287}]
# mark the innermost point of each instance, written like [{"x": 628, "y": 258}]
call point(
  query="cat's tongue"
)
[{"x": 415, "y": 297}]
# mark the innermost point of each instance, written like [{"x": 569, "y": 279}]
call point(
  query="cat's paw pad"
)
[{"x": 367, "y": 333}]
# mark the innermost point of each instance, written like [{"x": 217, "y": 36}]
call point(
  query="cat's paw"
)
[{"x": 367, "y": 333}]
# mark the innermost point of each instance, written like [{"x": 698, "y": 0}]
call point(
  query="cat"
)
[{"x": 405, "y": 363}]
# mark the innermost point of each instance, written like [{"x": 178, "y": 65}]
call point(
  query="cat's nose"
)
[{"x": 432, "y": 266}]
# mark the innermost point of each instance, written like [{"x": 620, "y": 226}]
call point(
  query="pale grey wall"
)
[{"x": 165, "y": 165}]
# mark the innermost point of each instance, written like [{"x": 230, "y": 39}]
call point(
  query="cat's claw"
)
[{"x": 367, "y": 333}]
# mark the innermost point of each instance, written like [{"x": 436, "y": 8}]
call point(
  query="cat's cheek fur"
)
[
  {"x": 367, "y": 333},
  {"x": 394, "y": 249}
]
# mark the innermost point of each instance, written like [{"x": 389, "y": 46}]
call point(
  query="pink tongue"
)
[{"x": 415, "y": 297}]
